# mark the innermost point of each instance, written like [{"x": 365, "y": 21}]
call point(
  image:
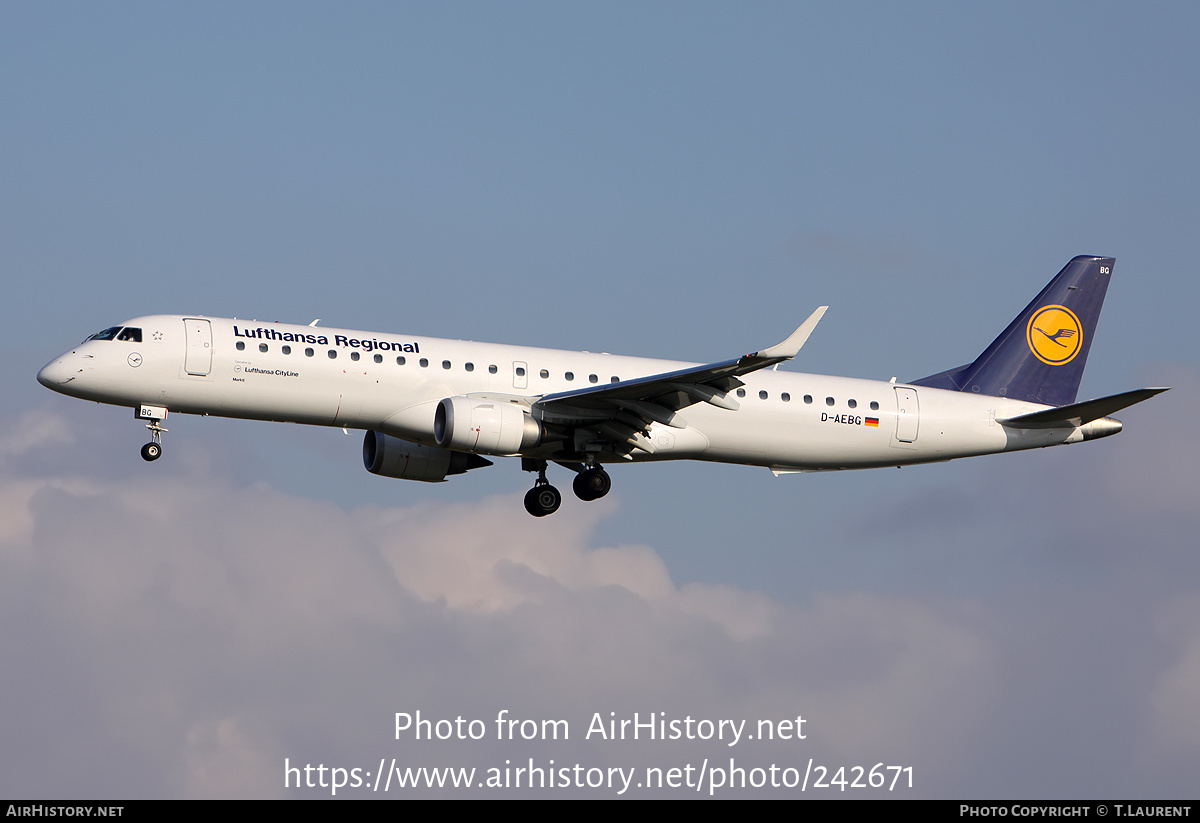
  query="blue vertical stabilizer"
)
[{"x": 1041, "y": 355}]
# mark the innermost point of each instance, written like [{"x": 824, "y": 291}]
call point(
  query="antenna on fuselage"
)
[{"x": 315, "y": 322}]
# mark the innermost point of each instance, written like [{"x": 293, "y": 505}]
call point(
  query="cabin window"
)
[
  {"x": 614, "y": 379},
  {"x": 570, "y": 375},
  {"x": 874, "y": 406},
  {"x": 262, "y": 347},
  {"x": 762, "y": 395},
  {"x": 241, "y": 346},
  {"x": 741, "y": 392},
  {"x": 593, "y": 378},
  {"x": 808, "y": 398},
  {"x": 424, "y": 362},
  {"x": 333, "y": 354},
  {"x": 400, "y": 361},
  {"x": 354, "y": 356},
  {"x": 544, "y": 373},
  {"x": 828, "y": 401},
  {"x": 520, "y": 371},
  {"x": 469, "y": 366},
  {"x": 852, "y": 404},
  {"x": 308, "y": 352},
  {"x": 491, "y": 369},
  {"x": 785, "y": 397},
  {"x": 445, "y": 364},
  {"x": 378, "y": 358},
  {"x": 286, "y": 349}
]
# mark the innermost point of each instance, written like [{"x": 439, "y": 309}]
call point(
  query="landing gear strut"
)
[
  {"x": 542, "y": 499},
  {"x": 153, "y": 450}
]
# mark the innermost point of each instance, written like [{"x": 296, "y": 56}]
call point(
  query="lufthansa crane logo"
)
[{"x": 1054, "y": 335}]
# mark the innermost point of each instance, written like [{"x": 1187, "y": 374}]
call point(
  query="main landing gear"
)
[
  {"x": 542, "y": 499},
  {"x": 590, "y": 483}
]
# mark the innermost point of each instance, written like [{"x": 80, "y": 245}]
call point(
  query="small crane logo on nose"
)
[{"x": 135, "y": 359}]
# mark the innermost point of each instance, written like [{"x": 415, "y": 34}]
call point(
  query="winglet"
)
[{"x": 790, "y": 347}]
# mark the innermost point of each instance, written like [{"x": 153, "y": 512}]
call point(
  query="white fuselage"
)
[{"x": 392, "y": 383}]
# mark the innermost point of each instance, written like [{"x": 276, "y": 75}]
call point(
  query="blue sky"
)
[{"x": 682, "y": 180}]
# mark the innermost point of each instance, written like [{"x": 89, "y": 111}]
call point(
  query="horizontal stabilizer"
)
[{"x": 1077, "y": 414}]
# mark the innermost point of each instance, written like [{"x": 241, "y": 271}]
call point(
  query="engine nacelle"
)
[
  {"x": 485, "y": 426},
  {"x": 392, "y": 457}
]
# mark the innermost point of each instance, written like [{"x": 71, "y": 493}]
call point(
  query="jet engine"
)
[
  {"x": 392, "y": 457},
  {"x": 486, "y": 426}
]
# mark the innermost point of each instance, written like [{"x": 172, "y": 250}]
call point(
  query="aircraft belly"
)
[
  {"x": 810, "y": 438},
  {"x": 802, "y": 437}
]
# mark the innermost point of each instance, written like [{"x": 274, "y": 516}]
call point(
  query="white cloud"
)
[{"x": 34, "y": 429}]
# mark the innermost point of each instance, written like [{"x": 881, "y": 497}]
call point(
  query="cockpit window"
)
[
  {"x": 131, "y": 334},
  {"x": 107, "y": 334}
]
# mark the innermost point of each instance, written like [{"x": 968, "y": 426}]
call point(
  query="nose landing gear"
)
[{"x": 155, "y": 414}]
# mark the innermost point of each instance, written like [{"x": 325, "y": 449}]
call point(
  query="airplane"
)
[{"x": 434, "y": 408}]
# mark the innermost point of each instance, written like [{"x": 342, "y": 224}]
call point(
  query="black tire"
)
[
  {"x": 591, "y": 484},
  {"x": 151, "y": 452},
  {"x": 542, "y": 500}
]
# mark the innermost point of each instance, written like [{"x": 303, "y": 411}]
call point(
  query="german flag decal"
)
[{"x": 871, "y": 421}]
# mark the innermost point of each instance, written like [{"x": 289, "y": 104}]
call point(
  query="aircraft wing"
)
[
  {"x": 1077, "y": 414},
  {"x": 622, "y": 411}
]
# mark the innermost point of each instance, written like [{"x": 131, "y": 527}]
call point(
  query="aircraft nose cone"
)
[{"x": 55, "y": 373}]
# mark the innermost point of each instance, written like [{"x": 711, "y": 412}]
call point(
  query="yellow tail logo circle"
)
[{"x": 1054, "y": 334}]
